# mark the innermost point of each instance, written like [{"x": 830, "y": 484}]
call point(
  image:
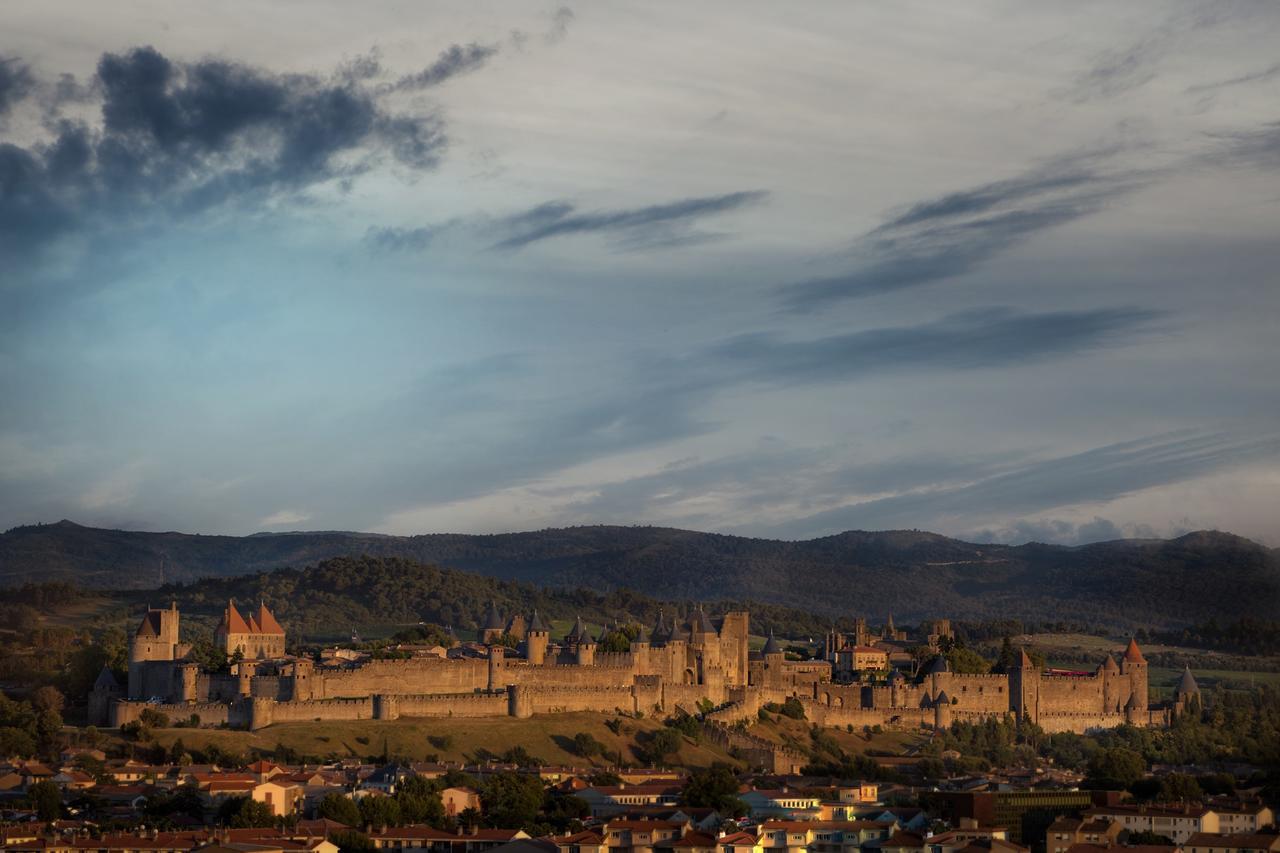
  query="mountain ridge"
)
[{"x": 912, "y": 573}]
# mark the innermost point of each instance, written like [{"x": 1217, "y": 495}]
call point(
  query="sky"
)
[{"x": 1000, "y": 270}]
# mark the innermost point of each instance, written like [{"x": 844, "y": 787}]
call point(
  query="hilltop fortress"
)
[{"x": 698, "y": 663}]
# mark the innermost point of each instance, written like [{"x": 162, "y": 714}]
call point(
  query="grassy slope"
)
[{"x": 548, "y": 737}]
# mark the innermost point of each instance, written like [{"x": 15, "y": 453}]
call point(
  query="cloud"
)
[
  {"x": 283, "y": 518},
  {"x": 643, "y": 227},
  {"x": 16, "y": 83},
  {"x": 1268, "y": 73},
  {"x": 392, "y": 239},
  {"x": 560, "y": 21},
  {"x": 452, "y": 62},
  {"x": 993, "y": 337},
  {"x": 953, "y": 234},
  {"x": 1258, "y": 147},
  {"x": 1115, "y": 72},
  {"x": 177, "y": 139},
  {"x": 1092, "y": 476}
]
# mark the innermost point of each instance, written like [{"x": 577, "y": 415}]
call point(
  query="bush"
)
[
  {"x": 585, "y": 744},
  {"x": 153, "y": 718}
]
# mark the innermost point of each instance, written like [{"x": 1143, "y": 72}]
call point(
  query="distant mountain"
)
[{"x": 910, "y": 573}]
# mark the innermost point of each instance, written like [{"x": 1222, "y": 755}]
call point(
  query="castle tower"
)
[
  {"x": 586, "y": 646},
  {"x": 491, "y": 630},
  {"x": 706, "y": 639},
  {"x": 1133, "y": 667},
  {"x": 735, "y": 632},
  {"x": 661, "y": 632},
  {"x": 942, "y": 712},
  {"x": 497, "y": 667},
  {"x": 1024, "y": 688},
  {"x": 939, "y": 675},
  {"x": 105, "y": 691},
  {"x": 1186, "y": 697},
  {"x": 897, "y": 689},
  {"x": 535, "y": 641},
  {"x": 156, "y": 639},
  {"x": 1111, "y": 693}
]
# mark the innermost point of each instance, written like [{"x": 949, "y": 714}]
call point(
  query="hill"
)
[{"x": 912, "y": 574}]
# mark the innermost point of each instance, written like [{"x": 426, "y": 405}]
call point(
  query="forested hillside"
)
[
  {"x": 913, "y": 574},
  {"x": 335, "y": 595}
]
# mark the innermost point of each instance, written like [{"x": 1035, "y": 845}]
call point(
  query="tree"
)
[
  {"x": 1115, "y": 769},
  {"x": 716, "y": 787},
  {"x": 512, "y": 799},
  {"x": 48, "y": 729},
  {"x": 1149, "y": 837},
  {"x": 245, "y": 812},
  {"x": 350, "y": 841},
  {"x": 660, "y": 744},
  {"x": 334, "y": 806},
  {"x": 1179, "y": 787},
  {"x": 379, "y": 811},
  {"x": 153, "y": 718},
  {"x": 46, "y": 799},
  {"x": 16, "y": 742},
  {"x": 419, "y": 801},
  {"x": 585, "y": 744},
  {"x": 48, "y": 698}
]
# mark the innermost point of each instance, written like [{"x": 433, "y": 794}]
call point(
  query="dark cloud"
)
[
  {"x": 643, "y": 227},
  {"x": 452, "y": 62},
  {"x": 16, "y": 83},
  {"x": 179, "y": 138},
  {"x": 1096, "y": 475},
  {"x": 995, "y": 337},
  {"x": 954, "y": 234}
]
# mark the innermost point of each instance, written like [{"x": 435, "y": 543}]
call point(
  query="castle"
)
[{"x": 682, "y": 664}]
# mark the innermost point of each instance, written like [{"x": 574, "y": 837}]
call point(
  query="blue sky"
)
[{"x": 1005, "y": 271}]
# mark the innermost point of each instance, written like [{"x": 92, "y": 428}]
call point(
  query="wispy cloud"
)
[
  {"x": 1095, "y": 475},
  {"x": 954, "y": 234},
  {"x": 642, "y": 227},
  {"x": 994, "y": 337},
  {"x": 452, "y": 62},
  {"x": 1268, "y": 73},
  {"x": 1115, "y": 72}
]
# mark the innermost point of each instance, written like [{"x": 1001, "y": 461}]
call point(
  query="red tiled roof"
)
[
  {"x": 267, "y": 623},
  {"x": 1133, "y": 654},
  {"x": 233, "y": 622}
]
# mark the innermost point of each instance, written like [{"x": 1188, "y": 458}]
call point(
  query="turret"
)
[
  {"x": 1111, "y": 692},
  {"x": 535, "y": 641},
  {"x": 491, "y": 629},
  {"x": 1133, "y": 667},
  {"x": 497, "y": 667},
  {"x": 942, "y": 711},
  {"x": 586, "y": 650},
  {"x": 1186, "y": 696}
]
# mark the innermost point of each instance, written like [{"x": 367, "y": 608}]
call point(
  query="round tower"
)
[
  {"x": 535, "y": 641},
  {"x": 1133, "y": 666},
  {"x": 942, "y": 711},
  {"x": 497, "y": 665}
]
